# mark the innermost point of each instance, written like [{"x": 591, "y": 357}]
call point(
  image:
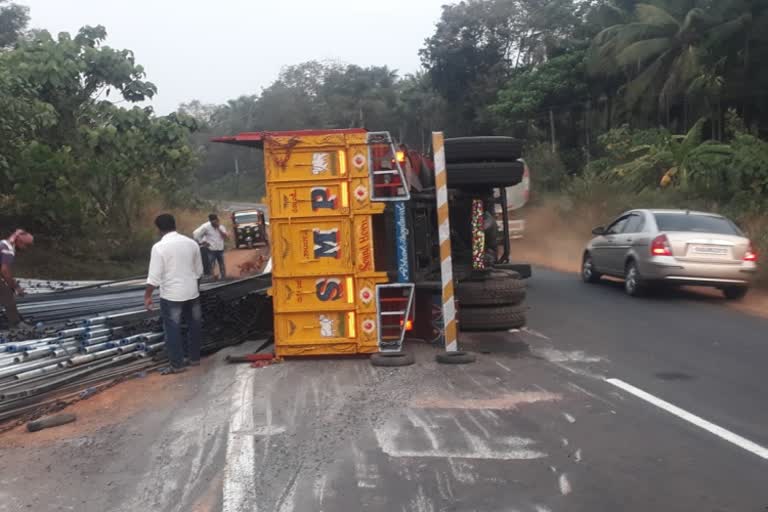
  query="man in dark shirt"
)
[{"x": 9, "y": 288}]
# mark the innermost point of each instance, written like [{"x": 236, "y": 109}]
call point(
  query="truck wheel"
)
[
  {"x": 498, "y": 288},
  {"x": 501, "y": 318},
  {"x": 487, "y": 174},
  {"x": 523, "y": 269},
  {"x": 482, "y": 149},
  {"x": 390, "y": 359},
  {"x": 455, "y": 358}
]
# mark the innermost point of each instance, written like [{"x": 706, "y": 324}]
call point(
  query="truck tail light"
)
[
  {"x": 750, "y": 255},
  {"x": 660, "y": 246}
]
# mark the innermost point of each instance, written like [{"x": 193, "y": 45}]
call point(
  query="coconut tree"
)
[{"x": 662, "y": 48}]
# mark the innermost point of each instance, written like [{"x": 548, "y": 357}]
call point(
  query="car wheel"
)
[
  {"x": 588, "y": 272},
  {"x": 633, "y": 282},
  {"x": 735, "y": 292}
]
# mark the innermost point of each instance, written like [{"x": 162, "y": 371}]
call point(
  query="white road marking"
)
[
  {"x": 287, "y": 502},
  {"x": 239, "y": 482},
  {"x": 318, "y": 489},
  {"x": 720, "y": 432},
  {"x": 420, "y": 503},
  {"x": 462, "y": 471},
  {"x": 473, "y": 447},
  {"x": 561, "y": 356},
  {"x": 478, "y": 425},
  {"x": 568, "y": 417},
  {"x": 426, "y": 427},
  {"x": 367, "y": 474},
  {"x": 502, "y": 366},
  {"x": 564, "y": 484}
]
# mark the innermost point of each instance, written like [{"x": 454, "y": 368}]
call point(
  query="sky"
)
[{"x": 216, "y": 51}]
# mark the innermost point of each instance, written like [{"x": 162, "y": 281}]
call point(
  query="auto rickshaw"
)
[{"x": 250, "y": 228}]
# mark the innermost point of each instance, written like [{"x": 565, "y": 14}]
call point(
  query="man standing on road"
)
[
  {"x": 212, "y": 235},
  {"x": 9, "y": 288},
  {"x": 176, "y": 268}
]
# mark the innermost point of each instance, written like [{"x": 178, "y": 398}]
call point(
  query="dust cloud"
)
[{"x": 553, "y": 238}]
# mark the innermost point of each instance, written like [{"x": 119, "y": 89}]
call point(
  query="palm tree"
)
[{"x": 663, "y": 48}]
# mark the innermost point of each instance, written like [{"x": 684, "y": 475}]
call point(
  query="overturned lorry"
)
[{"x": 356, "y": 241}]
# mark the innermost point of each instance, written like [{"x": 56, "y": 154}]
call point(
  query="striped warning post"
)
[{"x": 444, "y": 235}]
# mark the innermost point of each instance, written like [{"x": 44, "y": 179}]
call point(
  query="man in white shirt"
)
[
  {"x": 175, "y": 268},
  {"x": 212, "y": 235}
]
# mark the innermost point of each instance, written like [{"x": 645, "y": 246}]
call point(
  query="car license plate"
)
[{"x": 705, "y": 250}]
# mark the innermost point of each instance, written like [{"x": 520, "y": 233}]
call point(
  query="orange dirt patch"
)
[
  {"x": 242, "y": 263},
  {"x": 502, "y": 403}
]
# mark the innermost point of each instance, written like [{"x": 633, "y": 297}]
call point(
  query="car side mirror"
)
[{"x": 599, "y": 231}]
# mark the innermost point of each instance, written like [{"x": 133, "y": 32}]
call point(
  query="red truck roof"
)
[{"x": 256, "y": 139}]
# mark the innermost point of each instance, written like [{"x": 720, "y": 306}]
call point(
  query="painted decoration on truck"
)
[
  {"x": 359, "y": 161},
  {"x": 329, "y": 289},
  {"x": 369, "y": 326},
  {"x": 364, "y": 244},
  {"x": 321, "y": 163},
  {"x": 366, "y": 295},
  {"x": 401, "y": 236},
  {"x": 323, "y": 198},
  {"x": 291, "y": 200},
  {"x": 361, "y": 193},
  {"x": 326, "y": 243},
  {"x": 327, "y": 327}
]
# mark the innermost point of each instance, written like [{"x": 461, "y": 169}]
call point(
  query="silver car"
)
[{"x": 677, "y": 247}]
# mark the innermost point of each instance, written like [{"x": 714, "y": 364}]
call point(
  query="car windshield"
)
[
  {"x": 246, "y": 218},
  {"x": 696, "y": 223}
]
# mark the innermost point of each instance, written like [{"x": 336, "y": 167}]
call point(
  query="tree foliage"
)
[{"x": 71, "y": 158}]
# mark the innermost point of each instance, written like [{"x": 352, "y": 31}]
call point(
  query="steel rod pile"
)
[{"x": 99, "y": 334}]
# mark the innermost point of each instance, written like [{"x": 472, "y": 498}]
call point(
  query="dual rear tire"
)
[{"x": 493, "y": 302}]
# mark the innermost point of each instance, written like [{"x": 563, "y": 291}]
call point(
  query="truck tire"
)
[
  {"x": 391, "y": 359},
  {"x": 482, "y": 149},
  {"x": 522, "y": 269},
  {"x": 486, "y": 174},
  {"x": 501, "y": 318},
  {"x": 455, "y": 358},
  {"x": 498, "y": 288}
]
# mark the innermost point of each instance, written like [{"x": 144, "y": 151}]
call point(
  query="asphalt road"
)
[{"x": 540, "y": 423}]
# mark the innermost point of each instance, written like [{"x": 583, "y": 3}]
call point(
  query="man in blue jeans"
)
[{"x": 176, "y": 268}]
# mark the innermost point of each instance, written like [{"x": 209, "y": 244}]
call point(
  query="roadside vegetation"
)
[
  {"x": 622, "y": 103},
  {"x": 79, "y": 159}
]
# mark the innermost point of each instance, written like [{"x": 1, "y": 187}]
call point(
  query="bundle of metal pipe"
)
[{"x": 102, "y": 332}]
